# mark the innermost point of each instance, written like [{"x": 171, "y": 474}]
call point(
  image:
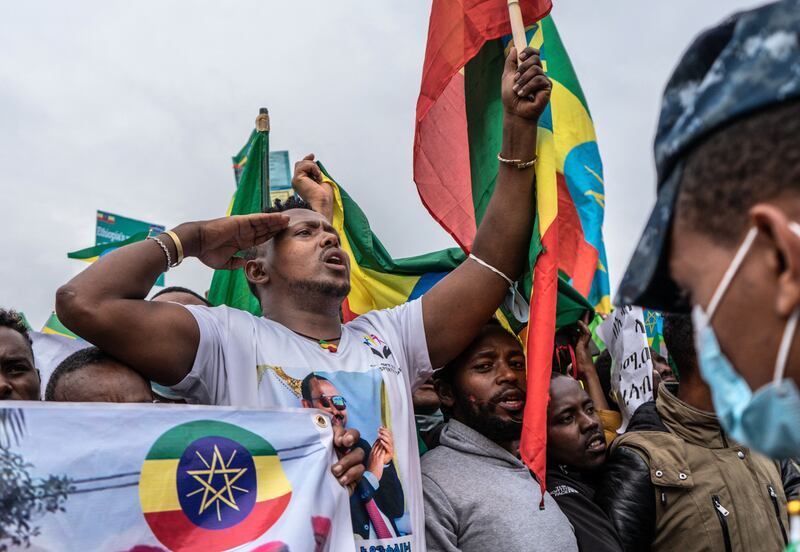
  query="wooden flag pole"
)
[
  {"x": 262, "y": 125},
  {"x": 517, "y": 26}
]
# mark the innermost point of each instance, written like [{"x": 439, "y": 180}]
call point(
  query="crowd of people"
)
[{"x": 427, "y": 399}]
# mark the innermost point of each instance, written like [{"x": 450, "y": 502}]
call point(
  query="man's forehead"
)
[
  {"x": 14, "y": 343},
  {"x": 297, "y": 216},
  {"x": 564, "y": 389}
]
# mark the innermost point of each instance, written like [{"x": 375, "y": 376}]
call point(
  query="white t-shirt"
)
[{"x": 243, "y": 360}]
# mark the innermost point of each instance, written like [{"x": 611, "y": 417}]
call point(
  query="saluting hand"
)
[{"x": 215, "y": 242}]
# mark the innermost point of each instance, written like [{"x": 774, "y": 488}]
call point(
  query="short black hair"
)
[
  {"x": 679, "y": 337},
  {"x": 278, "y": 206},
  {"x": 753, "y": 159},
  {"x": 179, "y": 289},
  {"x": 9, "y": 318},
  {"x": 73, "y": 363},
  {"x": 305, "y": 386}
]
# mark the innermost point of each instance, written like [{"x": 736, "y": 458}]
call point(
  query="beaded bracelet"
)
[{"x": 164, "y": 248}]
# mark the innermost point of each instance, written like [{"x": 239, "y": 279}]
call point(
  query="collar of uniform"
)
[{"x": 689, "y": 423}]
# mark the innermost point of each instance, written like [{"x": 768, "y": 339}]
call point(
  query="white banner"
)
[
  {"x": 632, "y": 368},
  {"x": 147, "y": 478}
]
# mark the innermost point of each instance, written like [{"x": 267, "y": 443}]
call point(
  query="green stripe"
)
[
  {"x": 229, "y": 287},
  {"x": 173, "y": 443},
  {"x": 482, "y": 78},
  {"x": 370, "y": 253},
  {"x": 97, "y": 250},
  {"x": 54, "y": 324},
  {"x": 559, "y": 66}
]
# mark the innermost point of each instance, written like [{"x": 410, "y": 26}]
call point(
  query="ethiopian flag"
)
[
  {"x": 229, "y": 287},
  {"x": 208, "y": 485},
  {"x": 458, "y": 137}
]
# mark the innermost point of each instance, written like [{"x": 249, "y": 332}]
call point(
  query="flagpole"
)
[
  {"x": 517, "y": 26},
  {"x": 262, "y": 125}
]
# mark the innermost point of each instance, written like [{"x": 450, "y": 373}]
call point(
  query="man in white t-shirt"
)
[{"x": 225, "y": 356}]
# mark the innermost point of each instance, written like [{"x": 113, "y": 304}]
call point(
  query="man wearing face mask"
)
[
  {"x": 723, "y": 237},
  {"x": 676, "y": 481}
]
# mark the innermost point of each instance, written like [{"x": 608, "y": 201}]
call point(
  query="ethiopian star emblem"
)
[{"x": 217, "y": 482}]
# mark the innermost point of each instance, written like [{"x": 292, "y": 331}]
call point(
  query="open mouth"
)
[
  {"x": 512, "y": 400},
  {"x": 335, "y": 260},
  {"x": 596, "y": 444}
]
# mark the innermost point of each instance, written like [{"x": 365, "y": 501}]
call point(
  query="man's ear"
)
[
  {"x": 256, "y": 272},
  {"x": 445, "y": 392},
  {"x": 777, "y": 227}
]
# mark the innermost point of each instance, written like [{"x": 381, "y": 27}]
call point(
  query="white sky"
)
[{"x": 137, "y": 107}]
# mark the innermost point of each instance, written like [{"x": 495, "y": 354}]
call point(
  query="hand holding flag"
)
[
  {"x": 525, "y": 88},
  {"x": 309, "y": 184}
]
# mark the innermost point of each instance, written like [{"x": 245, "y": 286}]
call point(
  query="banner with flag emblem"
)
[
  {"x": 159, "y": 477},
  {"x": 114, "y": 231}
]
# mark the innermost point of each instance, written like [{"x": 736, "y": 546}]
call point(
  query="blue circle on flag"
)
[{"x": 217, "y": 482}]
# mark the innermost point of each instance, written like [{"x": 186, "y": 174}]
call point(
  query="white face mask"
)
[{"x": 769, "y": 419}]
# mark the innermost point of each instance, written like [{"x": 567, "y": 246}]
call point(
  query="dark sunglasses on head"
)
[{"x": 337, "y": 401}]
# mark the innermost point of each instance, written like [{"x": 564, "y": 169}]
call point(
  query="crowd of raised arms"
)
[{"x": 709, "y": 464}]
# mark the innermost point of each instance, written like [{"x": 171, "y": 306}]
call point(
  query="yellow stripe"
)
[
  {"x": 158, "y": 487},
  {"x": 546, "y": 187},
  {"x": 571, "y": 122},
  {"x": 369, "y": 289},
  {"x": 272, "y": 481}
]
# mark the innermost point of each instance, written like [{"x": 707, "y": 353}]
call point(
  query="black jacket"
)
[
  {"x": 627, "y": 493},
  {"x": 574, "y": 492}
]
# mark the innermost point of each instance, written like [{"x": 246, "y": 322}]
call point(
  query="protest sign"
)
[
  {"x": 164, "y": 477},
  {"x": 112, "y": 228},
  {"x": 280, "y": 176},
  {"x": 625, "y": 336}
]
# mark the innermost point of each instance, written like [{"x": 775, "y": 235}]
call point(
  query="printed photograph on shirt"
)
[{"x": 357, "y": 400}]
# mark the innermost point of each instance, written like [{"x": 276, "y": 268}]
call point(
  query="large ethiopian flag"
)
[{"x": 458, "y": 136}]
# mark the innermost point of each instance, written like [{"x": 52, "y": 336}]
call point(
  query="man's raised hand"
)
[
  {"x": 215, "y": 242},
  {"x": 525, "y": 87},
  {"x": 307, "y": 182}
]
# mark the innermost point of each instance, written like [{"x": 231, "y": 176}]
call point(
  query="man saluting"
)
[{"x": 300, "y": 275}]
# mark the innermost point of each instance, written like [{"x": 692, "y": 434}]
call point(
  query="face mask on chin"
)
[{"x": 769, "y": 419}]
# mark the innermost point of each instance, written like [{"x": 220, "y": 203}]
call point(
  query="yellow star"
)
[{"x": 218, "y": 467}]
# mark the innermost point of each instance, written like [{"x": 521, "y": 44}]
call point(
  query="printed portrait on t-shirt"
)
[
  {"x": 357, "y": 400},
  {"x": 353, "y": 400},
  {"x": 363, "y": 382}
]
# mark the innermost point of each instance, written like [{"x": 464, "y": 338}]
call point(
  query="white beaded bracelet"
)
[{"x": 164, "y": 248}]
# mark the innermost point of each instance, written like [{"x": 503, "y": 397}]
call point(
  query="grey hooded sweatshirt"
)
[{"x": 479, "y": 497}]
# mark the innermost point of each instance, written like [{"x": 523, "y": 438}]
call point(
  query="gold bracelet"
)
[
  {"x": 178, "y": 245},
  {"x": 518, "y": 163}
]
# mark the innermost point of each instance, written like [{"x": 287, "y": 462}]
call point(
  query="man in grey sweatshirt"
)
[{"x": 478, "y": 495}]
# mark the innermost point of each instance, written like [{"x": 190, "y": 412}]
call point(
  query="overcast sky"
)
[{"x": 137, "y": 107}]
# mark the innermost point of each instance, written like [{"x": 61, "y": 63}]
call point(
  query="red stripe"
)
[
  {"x": 347, "y": 314},
  {"x": 458, "y": 29},
  {"x": 174, "y": 530},
  {"x": 541, "y": 336},
  {"x": 577, "y": 257},
  {"x": 441, "y": 164}
]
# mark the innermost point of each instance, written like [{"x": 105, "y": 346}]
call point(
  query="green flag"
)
[{"x": 229, "y": 287}]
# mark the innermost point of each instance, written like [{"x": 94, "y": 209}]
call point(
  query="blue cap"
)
[{"x": 749, "y": 62}]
